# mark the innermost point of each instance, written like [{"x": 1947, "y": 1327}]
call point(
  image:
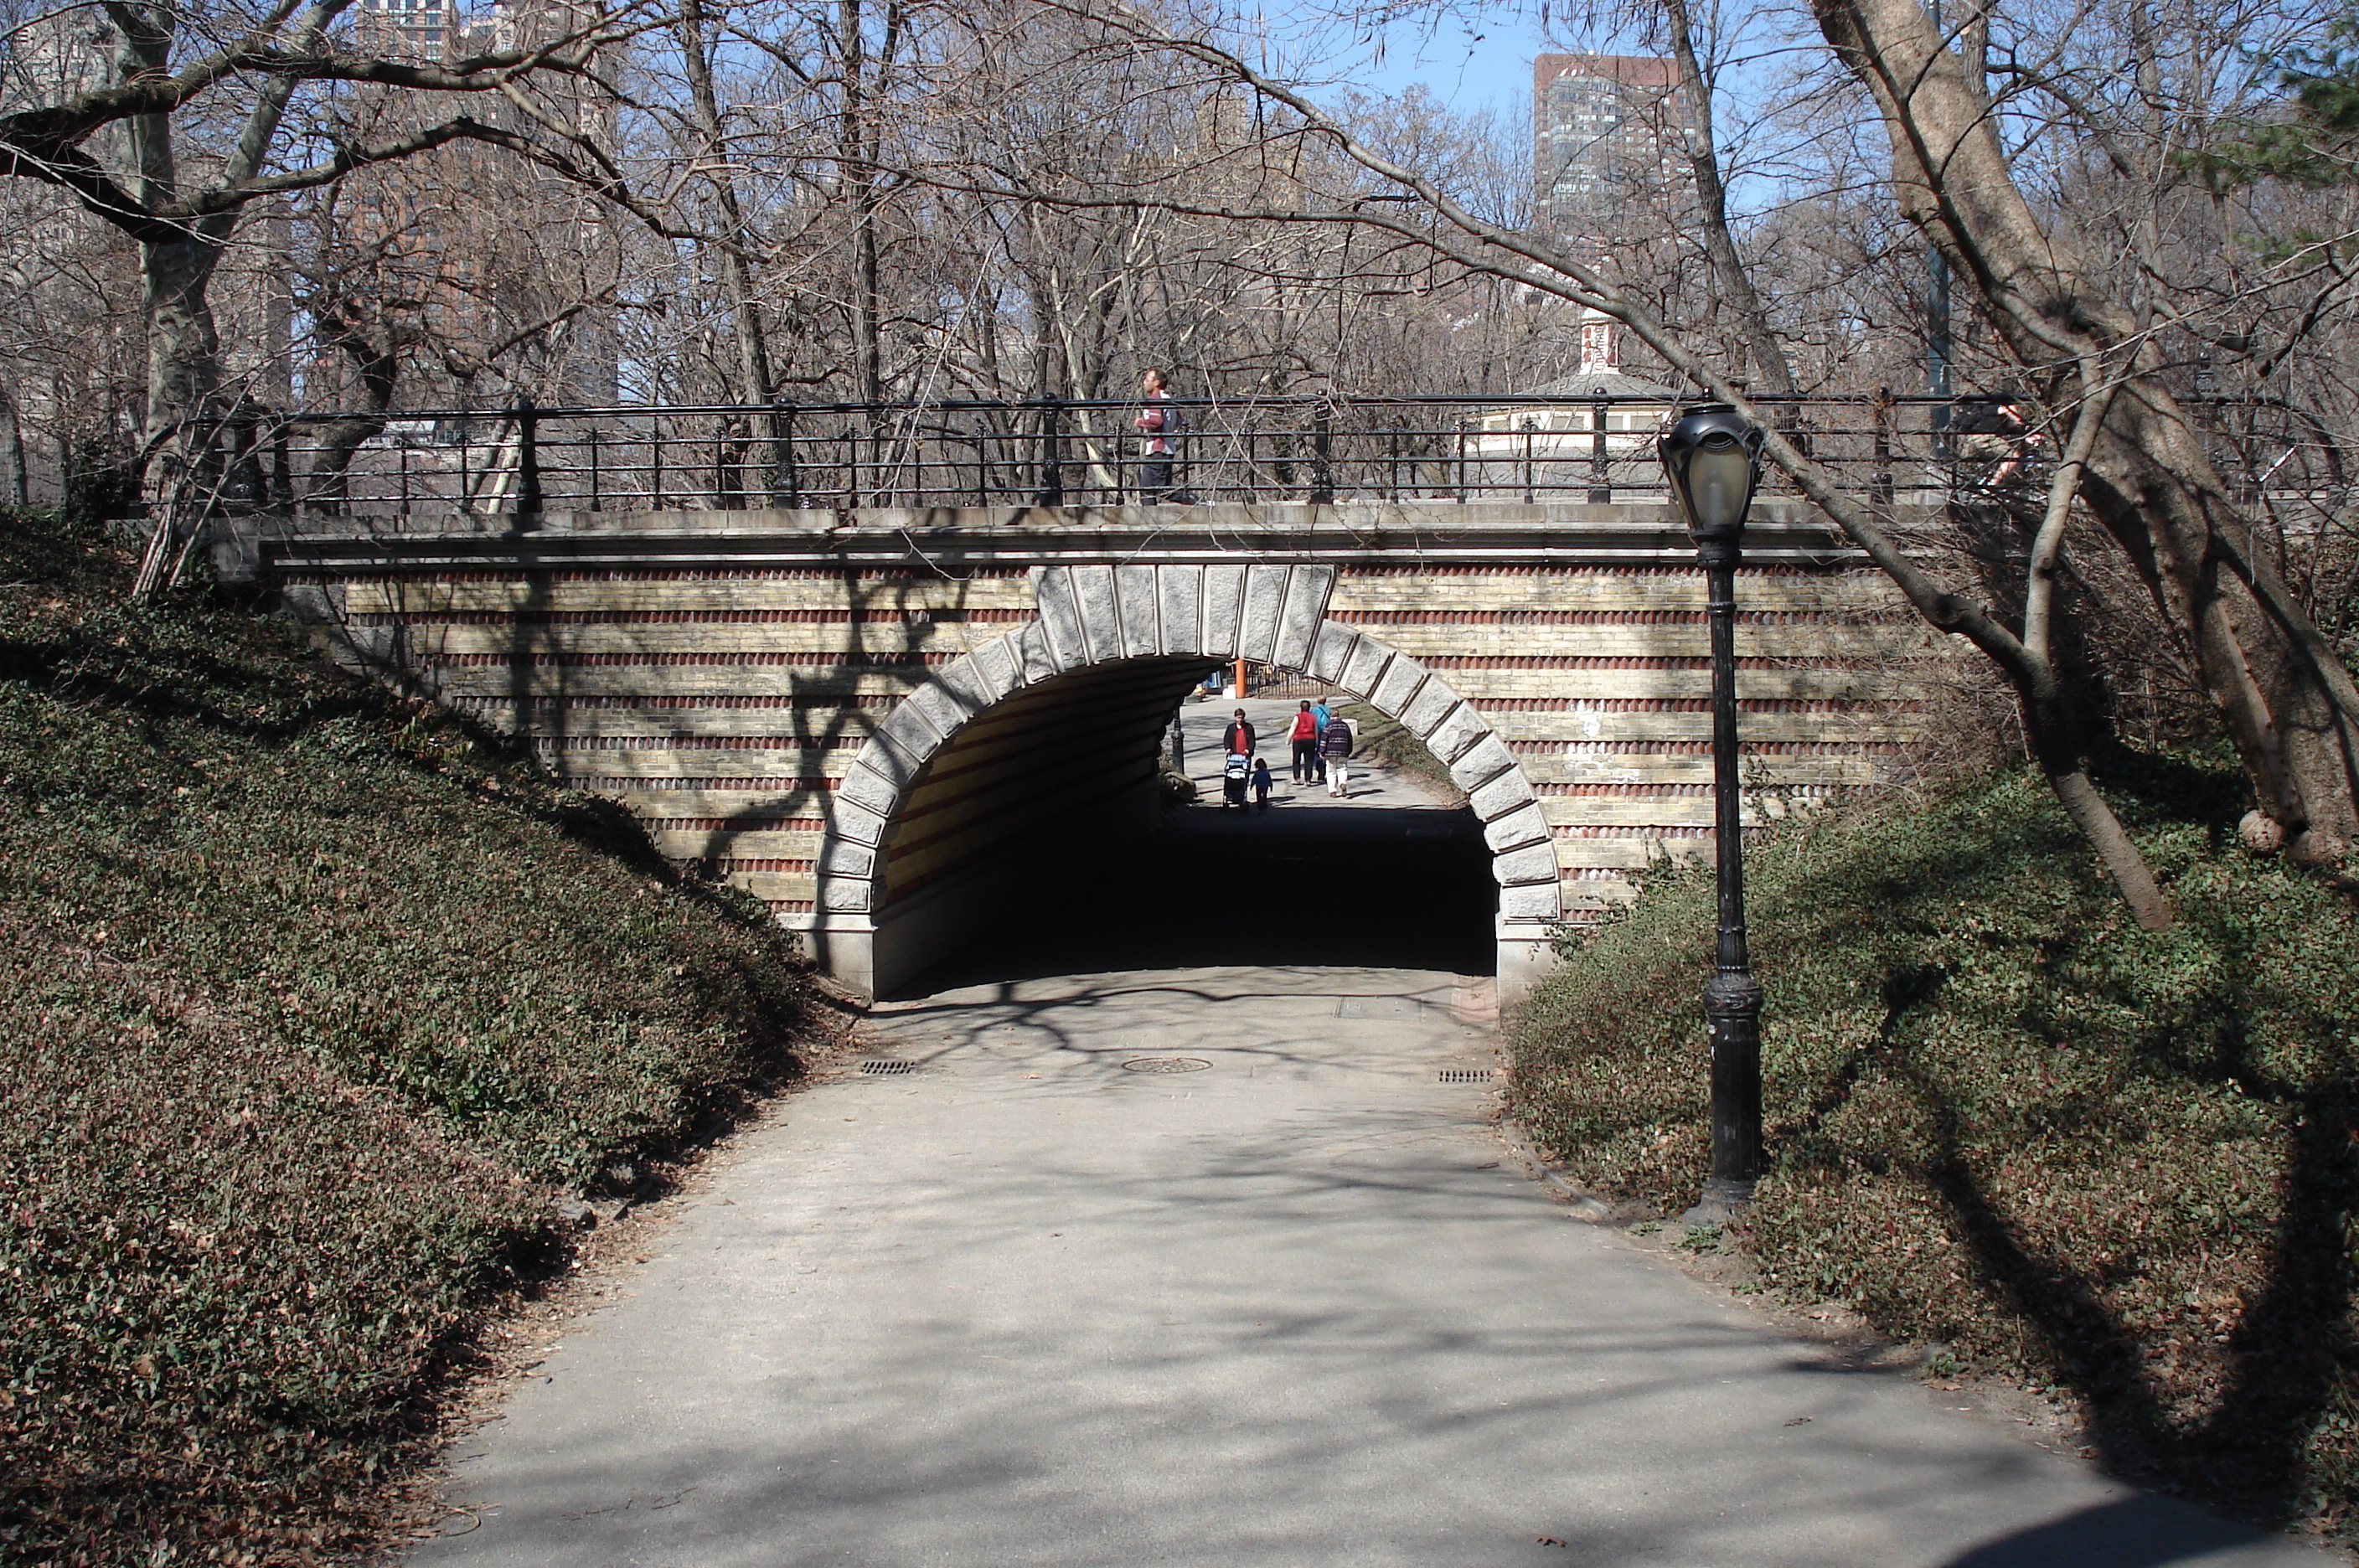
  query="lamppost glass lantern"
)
[{"x": 1712, "y": 456}]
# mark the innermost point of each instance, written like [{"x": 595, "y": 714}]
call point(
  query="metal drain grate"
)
[
  {"x": 882, "y": 1065},
  {"x": 1166, "y": 1064},
  {"x": 1468, "y": 1075}
]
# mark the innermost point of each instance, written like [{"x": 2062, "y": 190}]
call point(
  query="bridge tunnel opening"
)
[{"x": 1042, "y": 839}]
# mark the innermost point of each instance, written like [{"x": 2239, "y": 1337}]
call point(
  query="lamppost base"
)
[{"x": 1722, "y": 1200}]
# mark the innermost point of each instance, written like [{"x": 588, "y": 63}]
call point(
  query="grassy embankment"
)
[
  {"x": 1377, "y": 738},
  {"x": 311, "y": 1002},
  {"x": 2117, "y": 1164}
]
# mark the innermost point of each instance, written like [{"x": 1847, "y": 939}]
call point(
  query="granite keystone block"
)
[
  {"x": 1433, "y": 704},
  {"x": 938, "y": 707},
  {"x": 1533, "y": 901},
  {"x": 1264, "y": 599},
  {"x": 1134, "y": 590},
  {"x": 1398, "y": 686},
  {"x": 1331, "y": 651},
  {"x": 993, "y": 664},
  {"x": 914, "y": 728},
  {"x": 890, "y": 753},
  {"x": 1483, "y": 761},
  {"x": 1060, "y": 615},
  {"x": 1301, "y": 615},
  {"x": 865, "y": 787},
  {"x": 1225, "y": 599},
  {"x": 1180, "y": 589},
  {"x": 1533, "y": 863},
  {"x": 844, "y": 895},
  {"x": 842, "y": 857},
  {"x": 1101, "y": 612},
  {"x": 1035, "y": 658},
  {"x": 962, "y": 681},
  {"x": 1526, "y": 825},
  {"x": 1461, "y": 728},
  {"x": 1501, "y": 795},
  {"x": 1365, "y": 667},
  {"x": 855, "y": 823}
]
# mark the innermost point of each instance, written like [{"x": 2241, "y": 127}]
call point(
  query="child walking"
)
[{"x": 1262, "y": 785}]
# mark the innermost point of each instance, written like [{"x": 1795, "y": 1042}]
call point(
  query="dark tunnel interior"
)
[{"x": 1042, "y": 828}]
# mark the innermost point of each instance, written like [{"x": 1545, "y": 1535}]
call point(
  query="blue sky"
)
[{"x": 1466, "y": 62}]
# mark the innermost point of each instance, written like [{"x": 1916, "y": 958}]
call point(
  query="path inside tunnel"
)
[{"x": 1393, "y": 875}]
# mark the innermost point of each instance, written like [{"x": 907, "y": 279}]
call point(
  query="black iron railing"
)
[{"x": 527, "y": 461}]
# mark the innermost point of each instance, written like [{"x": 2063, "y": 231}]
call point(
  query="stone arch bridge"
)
[{"x": 872, "y": 720}]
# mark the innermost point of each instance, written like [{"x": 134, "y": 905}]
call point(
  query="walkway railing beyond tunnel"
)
[{"x": 525, "y": 460}]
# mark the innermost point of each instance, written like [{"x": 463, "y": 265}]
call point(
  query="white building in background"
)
[{"x": 1548, "y": 451}]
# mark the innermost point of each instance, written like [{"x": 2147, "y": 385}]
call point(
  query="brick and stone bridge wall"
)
[{"x": 873, "y": 721}]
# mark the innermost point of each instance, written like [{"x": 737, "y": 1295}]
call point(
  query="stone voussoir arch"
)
[{"x": 1269, "y": 613}]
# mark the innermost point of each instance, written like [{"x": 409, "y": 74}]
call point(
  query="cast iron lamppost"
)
[{"x": 1712, "y": 455}]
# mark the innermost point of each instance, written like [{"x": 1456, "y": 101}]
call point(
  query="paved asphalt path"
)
[
  {"x": 1204, "y": 723},
  {"x": 1292, "y": 1309}
]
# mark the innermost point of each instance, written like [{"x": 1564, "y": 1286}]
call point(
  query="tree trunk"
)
[
  {"x": 752, "y": 345},
  {"x": 2287, "y": 702},
  {"x": 1775, "y": 376},
  {"x": 13, "y": 469},
  {"x": 855, "y": 158}
]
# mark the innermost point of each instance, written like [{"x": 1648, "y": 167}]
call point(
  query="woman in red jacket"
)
[{"x": 1305, "y": 736}]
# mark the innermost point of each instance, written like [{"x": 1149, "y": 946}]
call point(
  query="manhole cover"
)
[
  {"x": 1379, "y": 1007},
  {"x": 883, "y": 1065},
  {"x": 1467, "y": 1074},
  {"x": 1166, "y": 1064}
]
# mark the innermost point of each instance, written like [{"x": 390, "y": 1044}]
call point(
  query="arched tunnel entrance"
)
[
  {"x": 1052, "y": 812},
  {"x": 1008, "y": 818}
]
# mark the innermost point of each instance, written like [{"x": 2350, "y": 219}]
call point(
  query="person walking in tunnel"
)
[
  {"x": 1335, "y": 746},
  {"x": 1235, "y": 774},
  {"x": 1321, "y": 713},
  {"x": 1238, "y": 738},
  {"x": 1262, "y": 785},
  {"x": 1305, "y": 737}
]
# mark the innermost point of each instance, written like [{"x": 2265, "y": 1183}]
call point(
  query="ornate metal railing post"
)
[
  {"x": 1052, "y": 456},
  {"x": 1882, "y": 415},
  {"x": 1600, "y": 473},
  {"x": 528, "y": 484},
  {"x": 1323, "y": 454},
  {"x": 786, "y": 482}
]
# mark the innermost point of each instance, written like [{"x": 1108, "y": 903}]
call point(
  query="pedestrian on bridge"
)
[
  {"x": 1158, "y": 423},
  {"x": 1305, "y": 737},
  {"x": 1335, "y": 746}
]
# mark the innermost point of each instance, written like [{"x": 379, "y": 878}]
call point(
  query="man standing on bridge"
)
[{"x": 1158, "y": 423}]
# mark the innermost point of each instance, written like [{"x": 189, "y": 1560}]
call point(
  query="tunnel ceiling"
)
[{"x": 1037, "y": 759}]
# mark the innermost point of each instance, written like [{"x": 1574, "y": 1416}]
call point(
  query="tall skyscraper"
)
[
  {"x": 1607, "y": 166},
  {"x": 424, "y": 28}
]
